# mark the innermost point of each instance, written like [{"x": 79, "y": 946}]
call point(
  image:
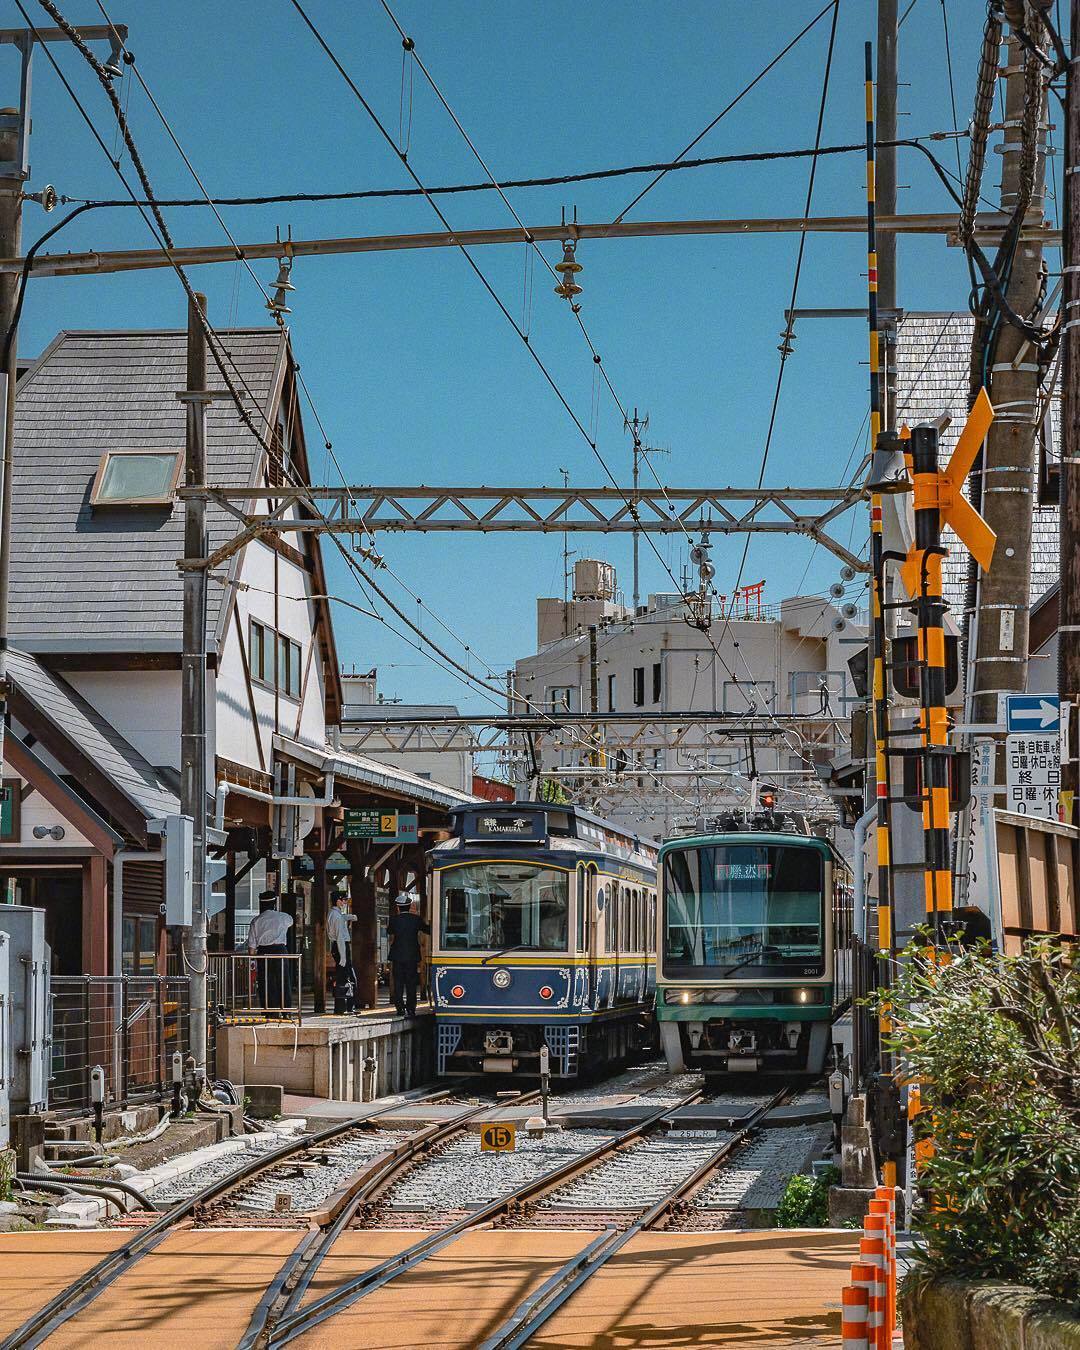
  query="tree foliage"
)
[
  {"x": 805, "y": 1201},
  {"x": 995, "y": 1043},
  {"x": 551, "y": 790}
]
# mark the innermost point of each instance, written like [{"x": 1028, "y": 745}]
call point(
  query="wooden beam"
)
[{"x": 57, "y": 793}]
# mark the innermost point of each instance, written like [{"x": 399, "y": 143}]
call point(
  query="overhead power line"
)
[{"x": 554, "y": 180}]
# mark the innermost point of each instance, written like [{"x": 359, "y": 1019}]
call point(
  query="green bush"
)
[
  {"x": 805, "y": 1202},
  {"x": 995, "y": 1042}
]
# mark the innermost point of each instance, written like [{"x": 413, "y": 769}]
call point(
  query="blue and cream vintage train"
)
[
  {"x": 544, "y": 935},
  {"x": 755, "y": 958}
]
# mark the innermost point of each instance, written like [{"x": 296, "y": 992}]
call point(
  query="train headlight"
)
[
  {"x": 546, "y": 991},
  {"x": 501, "y": 979},
  {"x": 806, "y": 996},
  {"x": 458, "y": 991}
]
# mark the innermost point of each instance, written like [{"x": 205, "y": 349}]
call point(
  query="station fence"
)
[
  {"x": 130, "y": 1025},
  {"x": 254, "y": 988}
]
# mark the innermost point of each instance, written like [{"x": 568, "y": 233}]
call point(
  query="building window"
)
[
  {"x": 275, "y": 660},
  {"x": 611, "y": 693},
  {"x": 657, "y": 681},
  {"x": 136, "y": 478},
  {"x": 140, "y": 945},
  {"x": 639, "y": 686},
  {"x": 10, "y": 802},
  {"x": 561, "y": 698}
]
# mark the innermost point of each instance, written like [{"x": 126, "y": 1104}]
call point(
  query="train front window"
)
[
  {"x": 744, "y": 911},
  {"x": 493, "y": 906}
]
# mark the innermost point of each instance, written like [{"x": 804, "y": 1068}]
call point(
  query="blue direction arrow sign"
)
[{"x": 1032, "y": 712}]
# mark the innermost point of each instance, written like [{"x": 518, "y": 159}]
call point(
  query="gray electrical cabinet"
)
[
  {"x": 6, "y": 1059},
  {"x": 26, "y": 1021}
]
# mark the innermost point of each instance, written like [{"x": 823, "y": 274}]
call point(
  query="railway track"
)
[
  {"x": 531, "y": 1315},
  {"x": 216, "y": 1203},
  {"x": 295, "y": 1320}
]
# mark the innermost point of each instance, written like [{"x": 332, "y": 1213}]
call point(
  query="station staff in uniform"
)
[
  {"x": 268, "y": 936},
  {"x": 337, "y": 932},
  {"x": 406, "y": 925}
]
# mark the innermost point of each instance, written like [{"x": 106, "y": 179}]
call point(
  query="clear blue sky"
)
[{"x": 415, "y": 373}]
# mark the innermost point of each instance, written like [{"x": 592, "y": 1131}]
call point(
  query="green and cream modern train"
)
[{"x": 754, "y": 961}]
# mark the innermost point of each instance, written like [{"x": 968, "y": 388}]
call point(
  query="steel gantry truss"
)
[
  {"x": 606, "y": 733},
  {"x": 490, "y": 510}
]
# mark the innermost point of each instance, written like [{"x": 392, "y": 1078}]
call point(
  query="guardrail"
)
[
  {"x": 254, "y": 988},
  {"x": 130, "y": 1025}
]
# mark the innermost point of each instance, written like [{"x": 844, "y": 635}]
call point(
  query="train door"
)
[
  {"x": 588, "y": 935},
  {"x": 618, "y": 936}
]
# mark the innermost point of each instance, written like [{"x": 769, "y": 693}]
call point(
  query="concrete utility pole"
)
[
  {"x": 193, "y": 672},
  {"x": 1001, "y": 656},
  {"x": 885, "y": 120},
  {"x": 1069, "y": 479},
  {"x": 11, "y": 187}
]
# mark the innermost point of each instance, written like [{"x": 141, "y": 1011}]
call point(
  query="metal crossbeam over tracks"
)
[{"x": 491, "y": 510}]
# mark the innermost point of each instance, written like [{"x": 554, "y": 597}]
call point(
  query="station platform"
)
[
  {"x": 766, "y": 1289},
  {"x": 352, "y": 1057}
]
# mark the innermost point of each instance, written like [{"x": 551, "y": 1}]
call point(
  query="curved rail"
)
[
  {"x": 298, "y": 1323},
  {"x": 543, "y": 1303},
  {"x": 89, "y": 1285},
  {"x": 285, "y": 1293}
]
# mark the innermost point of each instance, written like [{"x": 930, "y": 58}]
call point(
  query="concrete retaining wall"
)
[
  {"x": 326, "y": 1057},
  {"x": 981, "y": 1315}
]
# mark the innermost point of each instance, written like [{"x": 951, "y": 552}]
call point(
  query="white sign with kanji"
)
[{"x": 1033, "y": 774}]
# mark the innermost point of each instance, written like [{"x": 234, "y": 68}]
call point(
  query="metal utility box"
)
[
  {"x": 7, "y": 1067},
  {"x": 26, "y": 1023}
]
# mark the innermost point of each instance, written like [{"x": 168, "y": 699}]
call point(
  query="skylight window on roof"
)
[{"x": 136, "y": 478}]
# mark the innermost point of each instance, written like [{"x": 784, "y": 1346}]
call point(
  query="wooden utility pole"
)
[
  {"x": 193, "y": 670},
  {"x": 1069, "y": 479},
  {"x": 1001, "y": 655}
]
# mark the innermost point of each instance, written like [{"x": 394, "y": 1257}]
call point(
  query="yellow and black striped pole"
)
[
  {"x": 934, "y": 717},
  {"x": 882, "y": 777}
]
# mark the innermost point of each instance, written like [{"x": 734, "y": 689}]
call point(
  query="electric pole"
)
[
  {"x": 885, "y": 120},
  {"x": 1069, "y": 472},
  {"x": 1001, "y": 647},
  {"x": 636, "y": 425},
  {"x": 11, "y": 187},
  {"x": 14, "y": 171},
  {"x": 193, "y": 670}
]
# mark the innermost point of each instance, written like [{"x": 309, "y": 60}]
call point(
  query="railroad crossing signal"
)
[
  {"x": 944, "y": 490},
  {"x": 498, "y": 1137}
]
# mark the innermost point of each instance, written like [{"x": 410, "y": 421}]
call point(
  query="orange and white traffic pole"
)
[{"x": 855, "y": 1317}]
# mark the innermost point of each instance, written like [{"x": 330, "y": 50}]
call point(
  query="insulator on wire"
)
[{"x": 568, "y": 269}]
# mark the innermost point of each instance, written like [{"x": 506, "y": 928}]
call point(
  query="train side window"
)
[
  {"x": 610, "y": 918},
  {"x": 583, "y": 911},
  {"x": 651, "y": 941},
  {"x": 639, "y": 920}
]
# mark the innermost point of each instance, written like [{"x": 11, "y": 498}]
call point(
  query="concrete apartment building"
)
[
  {"x": 362, "y": 704},
  {"x": 768, "y": 660}
]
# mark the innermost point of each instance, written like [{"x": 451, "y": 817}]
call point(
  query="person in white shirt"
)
[
  {"x": 339, "y": 937},
  {"x": 268, "y": 936}
]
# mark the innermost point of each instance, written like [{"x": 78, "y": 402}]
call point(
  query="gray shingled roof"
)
[
  {"x": 932, "y": 370},
  {"x": 107, "y": 580},
  {"x": 119, "y": 761}
]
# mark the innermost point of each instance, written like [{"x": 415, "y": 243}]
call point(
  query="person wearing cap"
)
[
  {"x": 337, "y": 932},
  {"x": 268, "y": 937},
  {"x": 406, "y": 925}
]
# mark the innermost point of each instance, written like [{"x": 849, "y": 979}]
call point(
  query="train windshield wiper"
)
[
  {"x": 749, "y": 960},
  {"x": 517, "y": 947}
]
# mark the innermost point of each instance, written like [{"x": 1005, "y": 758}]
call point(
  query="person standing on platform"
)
[
  {"x": 268, "y": 937},
  {"x": 337, "y": 931},
  {"x": 406, "y": 925}
]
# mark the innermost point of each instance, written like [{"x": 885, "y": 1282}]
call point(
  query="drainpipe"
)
[
  {"x": 859, "y": 916},
  {"x": 223, "y": 789}
]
